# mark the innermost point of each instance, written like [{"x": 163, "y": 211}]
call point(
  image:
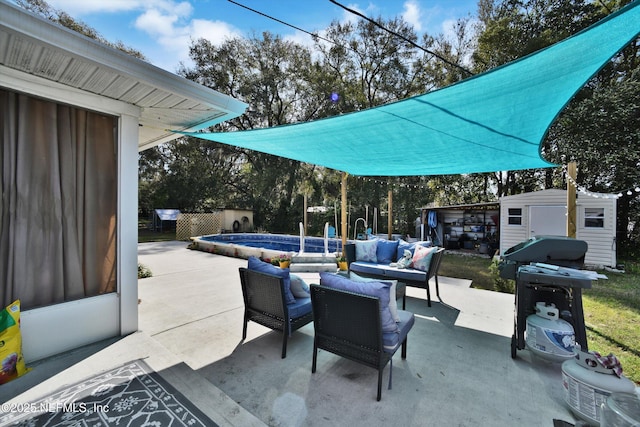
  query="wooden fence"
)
[{"x": 198, "y": 224}]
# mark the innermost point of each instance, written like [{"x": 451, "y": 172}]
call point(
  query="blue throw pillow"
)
[
  {"x": 366, "y": 250},
  {"x": 381, "y": 290},
  {"x": 299, "y": 287},
  {"x": 386, "y": 251},
  {"x": 256, "y": 264},
  {"x": 393, "y": 285}
]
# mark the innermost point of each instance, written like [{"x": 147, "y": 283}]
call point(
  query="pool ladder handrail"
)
[
  {"x": 355, "y": 227},
  {"x": 326, "y": 238}
]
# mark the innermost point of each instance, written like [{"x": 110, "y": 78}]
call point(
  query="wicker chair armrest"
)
[{"x": 263, "y": 293}]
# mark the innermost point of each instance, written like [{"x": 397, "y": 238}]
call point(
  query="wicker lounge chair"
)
[
  {"x": 349, "y": 325},
  {"x": 264, "y": 303}
]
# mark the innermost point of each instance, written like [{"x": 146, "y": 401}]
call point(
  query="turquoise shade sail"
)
[{"x": 491, "y": 122}]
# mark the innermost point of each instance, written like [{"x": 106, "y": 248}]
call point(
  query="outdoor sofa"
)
[
  {"x": 377, "y": 258},
  {"x": 355, "y": 320}
]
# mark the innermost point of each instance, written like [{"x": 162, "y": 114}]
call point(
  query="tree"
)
[
  {"x": 599, "y": 128},
  {"x": 369, "y": 66},
  {"x": 274, "y": 77},
  {"x": 42, "y": 8},
  {"x": 511, "y": 29}
]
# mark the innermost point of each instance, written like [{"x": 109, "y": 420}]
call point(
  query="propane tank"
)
[
  {"x": 587, "y": 384},
  {"x": 548, "y": 336}
]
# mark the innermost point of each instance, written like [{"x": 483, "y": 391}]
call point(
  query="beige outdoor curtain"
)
[{"x": 59, "y": 200}]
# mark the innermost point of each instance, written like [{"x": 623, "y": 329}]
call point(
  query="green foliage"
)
[
  {"x": 499, "y": 284},
  {"x": 612, "y": 316},
  {"x": 285, "y": 82},
  {"x": 42, "y": 8},
  {"x": 143, "y": 271},
  {"x": 600, "y": 131}
]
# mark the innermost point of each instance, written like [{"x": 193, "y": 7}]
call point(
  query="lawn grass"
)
[
  {"x": 468, "y": 266},
  {"x": 147, "y": 233},
  {"x": 611, "y": 307}
]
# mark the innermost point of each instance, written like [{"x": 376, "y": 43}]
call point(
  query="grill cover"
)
[{"x": 556, "y": 250}]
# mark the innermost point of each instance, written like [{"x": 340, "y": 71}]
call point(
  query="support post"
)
[
  {"x": 305, "y": 214},
  {"x": 571, "y": 199},
  {"x": 343, "y": 211},
  {"x": 390, "y": 219}
]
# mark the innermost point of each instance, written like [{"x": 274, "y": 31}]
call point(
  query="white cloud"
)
[
  {"x": 448, "y": 28},
  {"x": 77, "y": 8},
  {"x": 301, "y": 38},
  {"x": 168, "y": 23},
  {"x": 155, "y": 23},
  {"x": 412, "y": 14},
  {"x": 214, "y": 31},
  {"x": 173, "y": 30}
]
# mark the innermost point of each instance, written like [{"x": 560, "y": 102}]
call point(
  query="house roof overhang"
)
[{"x": 167, "y": 102}]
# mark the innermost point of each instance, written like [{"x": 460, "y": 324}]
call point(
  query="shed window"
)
[
  {"x": 515, "y": 216},
  {"x": 594, "y": 217}
]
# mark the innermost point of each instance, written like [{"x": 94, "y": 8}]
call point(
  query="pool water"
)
[{"x": 276, "y": 242}]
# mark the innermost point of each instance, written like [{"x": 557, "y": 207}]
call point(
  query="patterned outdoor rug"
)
[{"x": 131, "y": 395}]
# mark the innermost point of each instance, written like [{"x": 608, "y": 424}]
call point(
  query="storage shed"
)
[
  {"x": 161, "y": 216},
  {"x": 540, "y": 213}
]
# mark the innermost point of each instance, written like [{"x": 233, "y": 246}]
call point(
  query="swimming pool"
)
[{"x": 243, "y": 245}]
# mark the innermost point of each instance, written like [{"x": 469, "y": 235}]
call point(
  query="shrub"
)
[
  {"x": 143, "y": 271},
  {"x": 499, "y": 284}
]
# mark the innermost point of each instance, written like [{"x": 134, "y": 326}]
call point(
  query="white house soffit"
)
[
  {"x": 36, "y": 46},
  {"x": 40, "y": 87}
]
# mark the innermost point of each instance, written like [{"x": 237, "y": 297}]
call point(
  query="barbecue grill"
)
[{"x": 545, "y": 269}]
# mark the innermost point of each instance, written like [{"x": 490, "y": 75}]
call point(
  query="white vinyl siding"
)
[{"x": 600, "y": 239}]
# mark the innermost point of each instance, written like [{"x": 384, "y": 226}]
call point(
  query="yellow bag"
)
[{"x": 11, "y": 360}]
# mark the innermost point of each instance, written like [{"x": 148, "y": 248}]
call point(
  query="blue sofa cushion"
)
[
  {"x": 393, "y": 305},
  {"x": 386, "y": 271},
  {"x": 299, "y": 308},
  {"x": 366, "y": 250},
  {"x": 379, "y": 290},
  {"x": 386, "y": 252},
  {"x": 256, "y": 264},
  {"x": 392, "y": 340}
]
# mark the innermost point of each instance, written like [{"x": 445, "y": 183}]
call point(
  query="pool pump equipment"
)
[{"x": 548, "y": 336}]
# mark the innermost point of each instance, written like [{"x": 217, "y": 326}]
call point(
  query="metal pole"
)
[
  {"x": 343, "y": 213},
  {"x": 571, "y": 199},
  {"x": 305, "y": 214},
  {"x": 390, "y": 220}
]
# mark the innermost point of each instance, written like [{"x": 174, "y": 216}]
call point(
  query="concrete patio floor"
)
[{"x": 458, "y": 371}]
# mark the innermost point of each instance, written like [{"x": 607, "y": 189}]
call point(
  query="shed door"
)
[{"x": 547, "y": 221}]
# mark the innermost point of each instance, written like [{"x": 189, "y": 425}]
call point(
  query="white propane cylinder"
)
[
  {"x": 621, "y": 410},
  {"x": 549, "y": 336},
  {"x": 587, "y": 384}
]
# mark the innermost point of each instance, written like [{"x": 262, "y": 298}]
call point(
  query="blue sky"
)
[{"x": 162, "y": 29}]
